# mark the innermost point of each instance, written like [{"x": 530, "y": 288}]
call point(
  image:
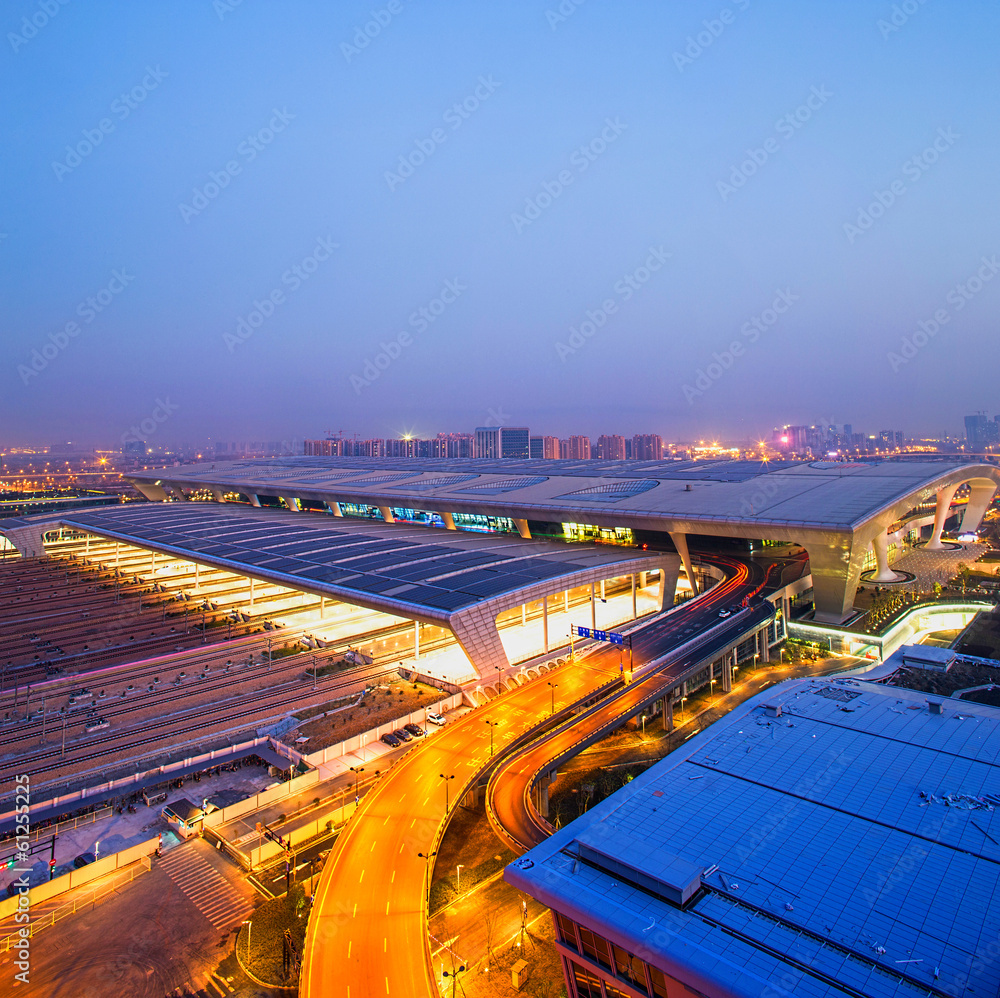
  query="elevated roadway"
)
[{"x": 368, "y": 929}]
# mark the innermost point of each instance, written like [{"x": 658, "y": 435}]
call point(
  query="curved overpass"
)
[
  {"x": 368, "y": 930},
  {"x": 508, "y": 795}
]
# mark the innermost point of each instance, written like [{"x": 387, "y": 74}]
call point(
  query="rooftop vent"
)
[
  {"x": 934, "y": 707},
  {"x": 772, "y": 709}
]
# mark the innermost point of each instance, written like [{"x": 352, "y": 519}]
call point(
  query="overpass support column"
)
[
  {"x": 883, "y": 572},
  {"x": 835, "y": 562},
  {"x": 449, "y": 521},
  {"x": 292, "y": 503},
  {"x": 727, "y": 671},
  {"x": 944, "y": 498},
  {"x": 522, "y": 529},
  {"x": 335, "y": 508},
  {"x": 979, "y": 501},
  {"x": 542, "y": 790},
  {"x": 254, "y": 501},
  {"x": 668, "y": 712},
  {"x": 593, "y": 607},
  {"x": 416, "y": 639},
  {"x": 681, "y": 543},
  {"x": 387, "y": 515},
  {"x": 545, "y": 622},
  {"x": 566, "y": 601},
  {"x": 218, "y": 496},
  {"x": 635, "y": 611},
  {"x": 322, "y": 606}
]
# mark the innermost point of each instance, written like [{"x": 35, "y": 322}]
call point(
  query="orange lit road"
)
[
  {"x": 367, "y": 933},
  {"x": 368, "y": 929}
]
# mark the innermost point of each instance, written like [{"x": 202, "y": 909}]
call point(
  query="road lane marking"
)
[
  {"x": 350, "y": 943},
  {"x": 362, "y": 877},
  {"x": 393, "y": 880},
  {"x": 373, "y": 846},
  {"x": 355, "y": 914}
]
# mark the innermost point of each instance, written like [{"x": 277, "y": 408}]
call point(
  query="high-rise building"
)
[
  {"x": 578, "y": 448},
  {"x": 647, "y": 447},
  {"x": 453, "y": 445},
  {"x": 503, "y": 441},
  {"x": 611, "y": 447},
  {"x": 980, "y": 432}
]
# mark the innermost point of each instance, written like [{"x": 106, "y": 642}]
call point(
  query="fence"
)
[{"x": 79, "y": 878}]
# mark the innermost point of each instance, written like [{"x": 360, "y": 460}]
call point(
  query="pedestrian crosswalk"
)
[{"x": 205, "y": 887}]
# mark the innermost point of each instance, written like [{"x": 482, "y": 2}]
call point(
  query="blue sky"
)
[{"x": 176, "y": 164}]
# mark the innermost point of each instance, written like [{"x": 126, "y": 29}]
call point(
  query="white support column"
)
[
  {"x": 602, "y": 590},
  {"x": 322, "y": 607},
  {"x": 116, "y": 555},
  {"x": 386, "y": 512},
  {"x": 416, "y": 639},
  {"x": 883, "y": 573},
  {"x": 681, "y": 543},
  {"x": 196, "y": 574},
  {"x": 522, "y": 529},
  {"x": 218, "y": 496},
  {"x": 449, "y": 521},
  {"x": 944, "y": 498},
  {"x": 292, "y": 503},
  {"x": 152, "y": 562},
  {"x": 86, "y": 546},
  {"x": 335, "y": 507},
  {"x": 593, "y": 607},
  {"x": 254, "y": 501},
  {"x": 524, "y": 614},
  {"x": 642, "y": 580},
  {"x": 980, "y": 496},
  {"x": 566, "y": 601},
  {"x": 251, "y": 593},
  {"x": 635, "y": 608},
  {"x": 545, "y": 622},
  {"x": 727, "y": 672}
]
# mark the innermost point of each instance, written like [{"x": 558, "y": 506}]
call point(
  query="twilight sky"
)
[{"x": 252, "y": 220}]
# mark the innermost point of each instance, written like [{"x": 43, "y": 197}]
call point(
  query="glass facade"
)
[{"x": 610, "y": 971}]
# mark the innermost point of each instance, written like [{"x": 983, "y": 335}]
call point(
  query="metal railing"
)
[{"x": 91, "y": 896}]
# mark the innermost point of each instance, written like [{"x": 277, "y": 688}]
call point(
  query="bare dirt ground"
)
[{"x": 385, "y": 703}]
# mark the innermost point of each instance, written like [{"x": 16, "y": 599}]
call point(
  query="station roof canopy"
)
[
  {"x": 848, "y": 846},
  {"x": 412, "y": 570},
  {"x": 692, "y": 496}
]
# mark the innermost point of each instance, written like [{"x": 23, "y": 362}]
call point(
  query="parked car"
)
[
  {"x": 725, "y": 613},
  {"x": 403, "y": 735},
  {"x": 83, "y": 859},
  {"x": 435, "y": 718},
  {"x": 414, "y": 729},
  {"x": 390, "y": 739}
]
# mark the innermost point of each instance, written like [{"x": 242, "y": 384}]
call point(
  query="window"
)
[
  {"x": 595, "y": 946},
  {"x": 567, "y": 931},
  {"x": 587, "y": 985},
  {"x": 630, "y": 968},
  {"x": 659, "y": 983}
]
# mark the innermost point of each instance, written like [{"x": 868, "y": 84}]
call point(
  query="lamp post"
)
[
  {"x": 427, "y": 857},
  {"x": 552, "y": 690},
  {"x": 357, "y": 771},
  {"x": 446, "y": 779},
  {"x": 458, "y": 877},
  {"x": 492, "y": 725}
]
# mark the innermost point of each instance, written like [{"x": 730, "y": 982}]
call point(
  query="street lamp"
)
[
  {"x": 643, "y": 725},
  {"x": 458, "y": 877},
  {"x": 682, "y": 707},
  {"x": 492, "y": 724},
  {"x": 552, "y": 689},
  {"x": 446, "y": 779},
  {"x": 357, "y": 771},
  {"x": 426, "y": 857}
]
